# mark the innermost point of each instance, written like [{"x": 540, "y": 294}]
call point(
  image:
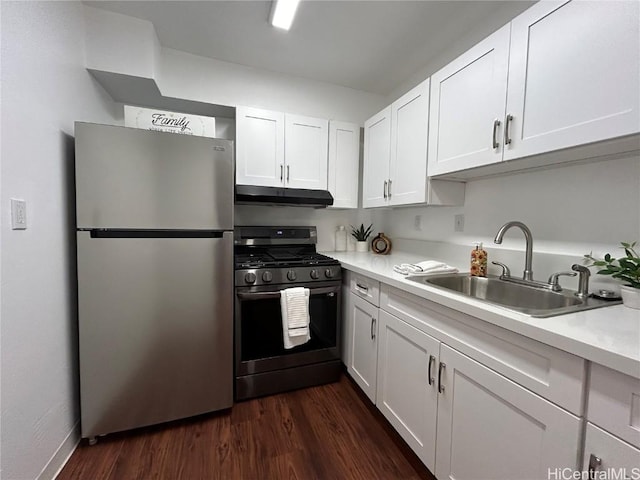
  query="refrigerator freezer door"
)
[
  {"x": 131, "y": 178},
  {"x": 155, "y": 328}
]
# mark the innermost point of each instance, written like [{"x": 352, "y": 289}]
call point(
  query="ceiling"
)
[{"x": 371, "y": 46}]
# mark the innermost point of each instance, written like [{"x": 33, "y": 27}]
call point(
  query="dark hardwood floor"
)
[{"x": 325, "y": 432}]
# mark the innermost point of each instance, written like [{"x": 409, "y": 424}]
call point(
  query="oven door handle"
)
[{"x": 276, "y": 294}]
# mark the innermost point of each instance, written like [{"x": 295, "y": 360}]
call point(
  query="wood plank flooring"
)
[{"x": 325, "y": 432}]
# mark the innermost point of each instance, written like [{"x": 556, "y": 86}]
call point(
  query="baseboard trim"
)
[{"x": 62, "y": 455}]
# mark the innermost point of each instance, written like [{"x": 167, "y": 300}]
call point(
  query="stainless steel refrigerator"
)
[{"x": 155, "y": 276}]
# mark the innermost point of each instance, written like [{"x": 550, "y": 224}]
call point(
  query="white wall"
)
[
  {"x": 192, "y": 77},
  {"x": 45, "y": 88},
  {"x": 570, "y": 210}
]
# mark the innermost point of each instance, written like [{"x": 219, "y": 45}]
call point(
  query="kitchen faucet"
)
[
  {"x": 528, "y": 256},
  {"x": 527, "y": 276}
]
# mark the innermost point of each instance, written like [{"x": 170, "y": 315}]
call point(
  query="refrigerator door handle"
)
[{"x": 133, "y": 233}]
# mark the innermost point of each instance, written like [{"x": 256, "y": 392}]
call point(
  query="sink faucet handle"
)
[
  {"x": 583, "y": 282},
  {"x": 554, "y": 280},
  {"x": 506, "y": 273}
]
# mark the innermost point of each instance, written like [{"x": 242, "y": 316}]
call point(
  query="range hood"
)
[{"x": 298, "y": 197}]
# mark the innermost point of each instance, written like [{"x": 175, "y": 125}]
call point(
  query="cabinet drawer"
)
[
  {"x": 614, "y": 403},
  {"x": 365, "y": 287},
  {"x": 612, "y": 452},
  {"x": 551, "y": 373}
]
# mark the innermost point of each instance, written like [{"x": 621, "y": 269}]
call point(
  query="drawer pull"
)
[
  {"x": 373, "y": 333},
  {"x": 440, "y": 370},
  {"x": 384, "y": 190},
  {"x": 431, "y": 378},
  {"x": 362, "y": 288}
]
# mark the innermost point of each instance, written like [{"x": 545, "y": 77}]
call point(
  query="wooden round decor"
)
[{"x": 381, "y": 244}]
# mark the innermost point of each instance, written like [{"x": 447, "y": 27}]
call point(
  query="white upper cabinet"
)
[
  {"x": 344, "y": 161},
  {"x": 573, "y": 75},
  {"x": 395, "y": 156},
  {"x": 377, "y": 150},
  {"x": 280, "y": 150},
  {"x": 305, "y": 152},
  {"x": 560, "y": 75},
  {"x": 408, "y": 159},
  {"x": 259, "y": 147},
  {"x": 468, "y": 107}
]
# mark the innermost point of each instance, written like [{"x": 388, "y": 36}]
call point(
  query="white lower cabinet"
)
[
  {"x": 472, "y": 401},
  {"x": 612, "y": 443},
  {"x": 492, "y": 428},
  {"x": 407, "y": 394},
  {"x": 604, "y": 452},
  {"x": 363, "y": 363}
]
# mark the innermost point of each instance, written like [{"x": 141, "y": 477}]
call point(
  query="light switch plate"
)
[{"x": 18, "y": 214}]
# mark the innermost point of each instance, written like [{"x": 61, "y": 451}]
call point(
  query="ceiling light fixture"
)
[{"x": 282, "y": 13}]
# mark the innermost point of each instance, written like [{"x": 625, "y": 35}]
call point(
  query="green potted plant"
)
[
  {"x": 626, "y": 269},
  {"x": 361, "y": 235}
]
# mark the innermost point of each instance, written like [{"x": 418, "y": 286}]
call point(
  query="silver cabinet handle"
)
[
  {"x": 362, "y": 287},
  {"x": 385, "y": 190},
  {"x": 281, "y": 172},
  {"x": 594, "y": 464},
  {"x": 507, "y": 134},
  {"x": 373, "y": 333},
  {"x": 287, "y": 173},
  {"x": 440, "y": 370},
  {"x": 496, "y": 124},
  {"x": 389, "y": 189},
  {"x": 430, "y": 378}
]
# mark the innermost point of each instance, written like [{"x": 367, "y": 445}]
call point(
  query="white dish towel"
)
[
  {"x": 428, "y": 267},
  {"x": 294, "y": 305}
]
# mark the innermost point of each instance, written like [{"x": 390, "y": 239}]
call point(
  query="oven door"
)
[{"x": 258, "y": 329}]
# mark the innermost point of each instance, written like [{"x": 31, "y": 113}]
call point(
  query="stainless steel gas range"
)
[{"x": 267, "y": 261}]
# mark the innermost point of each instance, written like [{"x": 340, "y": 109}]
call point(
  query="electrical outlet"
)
[
  {"x": 417, "y": 222},
  {"x": 458, "y": 223},
  {"x": 18, "y": 214}
]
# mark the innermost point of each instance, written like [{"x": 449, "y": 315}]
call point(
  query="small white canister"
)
[{"x": 341, "y": 239}]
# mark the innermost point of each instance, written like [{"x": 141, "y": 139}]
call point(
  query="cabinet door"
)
[
  {"x": 492, "y": 428},
  {"x": 344, "y": 163},
  {"x": 406, "y": 394},
  {"x": 377, "y": 148},
  {"x": 408, "y": 159},
  {"x": 573, "y": 75},
  {"x": 364, "y": 345},
  {"x": 467, "y": 101},
  {"x": 305, "y": 152},
  {"x": 604, "y": 452},
  {"x": 259, "y": 147}
]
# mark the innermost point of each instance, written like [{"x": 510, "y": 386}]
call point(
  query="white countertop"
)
[{"x": 609, "y": 336}]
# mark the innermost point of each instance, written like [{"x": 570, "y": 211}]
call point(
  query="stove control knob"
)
[
  {"x": 329, "y": 273},
  {"x": 291, "y": 275},
  {"x": 267, "y": 276},
  {"x": 250, "y": 277},
  {"x": 314, "y": 274}
]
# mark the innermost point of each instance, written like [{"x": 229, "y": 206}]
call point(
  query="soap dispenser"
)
[{"x": 478, "y": 261}]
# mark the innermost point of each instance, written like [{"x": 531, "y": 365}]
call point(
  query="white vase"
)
[
  {"x": 630, "y": 296},
  {"x": 362, "y": 246}
]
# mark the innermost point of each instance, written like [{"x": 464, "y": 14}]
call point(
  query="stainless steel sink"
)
[{"x": 536, "y": 302}]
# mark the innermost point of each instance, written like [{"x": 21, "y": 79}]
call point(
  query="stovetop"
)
[{"x": 281, "y": 258}]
